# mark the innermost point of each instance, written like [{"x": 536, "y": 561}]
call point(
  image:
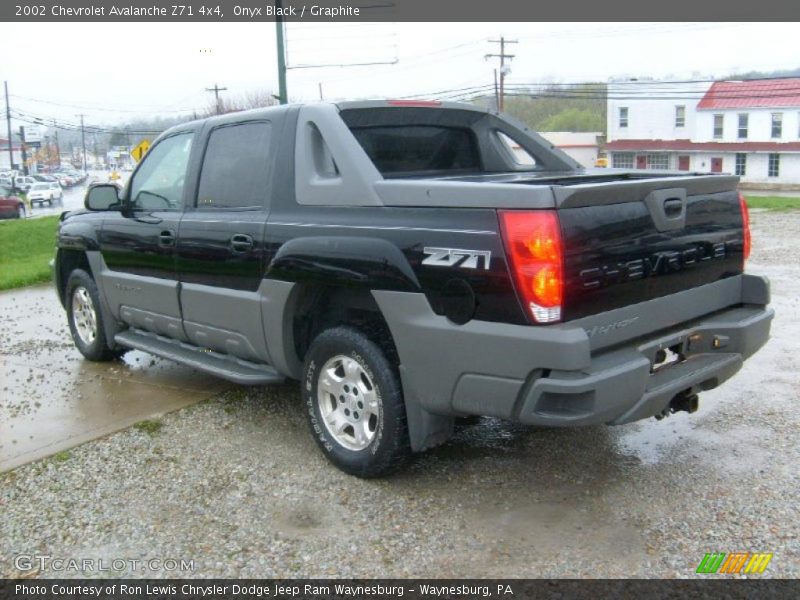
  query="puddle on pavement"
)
[{"x": 52, "y": 399}]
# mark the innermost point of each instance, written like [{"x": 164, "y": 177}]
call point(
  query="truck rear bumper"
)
[
  {"x": 596, "y": 370},
  {"x": 622, "y": 385}
]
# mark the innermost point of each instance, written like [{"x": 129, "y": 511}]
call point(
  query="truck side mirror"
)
[{"x": 101, "y": 197}]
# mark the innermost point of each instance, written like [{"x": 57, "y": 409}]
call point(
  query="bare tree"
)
[{"x": 244, "y": 101}]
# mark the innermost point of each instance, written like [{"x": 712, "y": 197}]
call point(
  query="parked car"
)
[
  {"x": 11, "y": 206},
  {"x": 24, "y": 182},
  {"x": 41, "y": 177},
  {"x": 397, "y": 260},
  {"x": 42, "y": 192},
  {"x": 21, "y": 183},
  {"x": 65, "y": 180}
]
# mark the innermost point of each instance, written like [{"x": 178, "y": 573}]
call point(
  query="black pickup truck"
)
[{"x": 411, "y": 263}]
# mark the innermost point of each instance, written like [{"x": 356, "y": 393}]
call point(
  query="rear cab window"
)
[
  {"x": 433, "y": 141},
  {"x": 400, "y": 149}
]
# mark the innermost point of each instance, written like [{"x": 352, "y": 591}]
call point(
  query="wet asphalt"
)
[{"x": 236, "y": 484}]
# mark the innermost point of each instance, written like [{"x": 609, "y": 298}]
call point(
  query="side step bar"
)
[{"x": 221, "y": 365}]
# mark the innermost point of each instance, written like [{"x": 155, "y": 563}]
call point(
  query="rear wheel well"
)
[{"x": 322, "y": 307}]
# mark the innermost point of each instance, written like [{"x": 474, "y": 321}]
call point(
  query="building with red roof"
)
[{"x": 750, "y": 128}]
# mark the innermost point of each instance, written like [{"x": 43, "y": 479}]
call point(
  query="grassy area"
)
[
  {"x": 26, "y": 247},
  {"x": 772, "y": 202}
]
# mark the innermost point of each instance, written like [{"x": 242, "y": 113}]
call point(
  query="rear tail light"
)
[
  {"x": 533, "y": 246},
  {"x": 745, "y": 227}
]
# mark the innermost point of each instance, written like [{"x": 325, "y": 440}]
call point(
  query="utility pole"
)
[
  {"x": 496, "y": 93},
  {"x": 283, "y": 97},
  {"x": 58, "y": 150},
  {"x": 504, "y": 70},
  {"x": 22, "y": 147},
  {"x": 8, "y": 121},
  {"x": 216, "y": 89},
  {"x": 83, "y": 141}
]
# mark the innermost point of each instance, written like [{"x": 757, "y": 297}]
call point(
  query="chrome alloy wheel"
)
[
  {"x": 348, "y": 402},
  {"x": 84, "y": 315}
]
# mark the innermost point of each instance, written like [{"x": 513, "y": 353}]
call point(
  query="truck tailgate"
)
[{"x": 657, "y": 241}]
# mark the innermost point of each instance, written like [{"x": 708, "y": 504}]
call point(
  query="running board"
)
[{"x": 215, "y": 363}]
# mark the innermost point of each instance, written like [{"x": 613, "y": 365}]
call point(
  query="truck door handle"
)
[
  {"x": 166, "y": 239},
  {"x": 241, "y": 242}
]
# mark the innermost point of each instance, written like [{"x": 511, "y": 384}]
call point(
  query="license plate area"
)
[{"x": 667, "y": 357}]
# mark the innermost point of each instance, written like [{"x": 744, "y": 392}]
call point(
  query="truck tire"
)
[
  {"x": 354, "y": 402},
  {"x": 86, "y": 318}
]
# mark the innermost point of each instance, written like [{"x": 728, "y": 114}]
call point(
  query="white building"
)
[
  {"x": 583, "y": 146},
  {"x": 749, "y": 128}
]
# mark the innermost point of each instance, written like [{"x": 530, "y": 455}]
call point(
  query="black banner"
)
[
  {"x": 395, "y": 10},
  {"x": 390, "y": 589}
]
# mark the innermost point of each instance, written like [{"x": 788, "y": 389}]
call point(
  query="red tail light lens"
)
[
  {"x": 745, "y": 226},
  {"x": 533, "y": 245}
]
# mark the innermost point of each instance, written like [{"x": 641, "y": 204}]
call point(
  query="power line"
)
[{"x": 99, "y": 109}]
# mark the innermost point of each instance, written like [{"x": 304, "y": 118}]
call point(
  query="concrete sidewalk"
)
[{"x": 52, "y": 399}]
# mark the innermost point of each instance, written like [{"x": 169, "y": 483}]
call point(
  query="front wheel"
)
[
  {"x": 354, "y": 403},
  {"x": 86, "y": 319}
]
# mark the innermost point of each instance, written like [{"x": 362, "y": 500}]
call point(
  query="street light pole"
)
[
  {"x": 83, "y": 141},
  {"x": 279, "y": 32},
  {"x": 8, "y": 121},
  {"x": 58, "y": 148}
]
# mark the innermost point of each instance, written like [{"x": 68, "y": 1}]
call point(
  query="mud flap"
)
[{"x": 425, "y": 429}]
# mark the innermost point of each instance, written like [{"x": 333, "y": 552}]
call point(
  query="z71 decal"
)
[{"x": 453, "y": 257}]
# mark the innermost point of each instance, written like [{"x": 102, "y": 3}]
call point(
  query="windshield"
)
[{"x": 37, "y": 187}]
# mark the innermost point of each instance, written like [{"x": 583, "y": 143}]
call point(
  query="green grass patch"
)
[
  {"x": 772, "y": 202},
  {"x": 149, "y": 426},
  {"x": 26, "y": 247},
  {"x": 62, "y": 456}
]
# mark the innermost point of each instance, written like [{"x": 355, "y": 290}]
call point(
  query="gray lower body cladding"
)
[{"x": 596, "y": 370}]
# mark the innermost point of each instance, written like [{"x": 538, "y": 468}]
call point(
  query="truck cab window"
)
[
  {"x": 158, "y": 183},
  {"x": 236, "y": 167}
]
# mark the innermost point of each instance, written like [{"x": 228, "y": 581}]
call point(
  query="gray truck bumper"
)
[{"x": 594, "y": 370}]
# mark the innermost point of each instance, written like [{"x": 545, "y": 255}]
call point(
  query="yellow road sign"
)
[{"x": 140, "y": 150}]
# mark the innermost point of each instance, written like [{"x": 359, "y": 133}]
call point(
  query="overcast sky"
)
[{"x": 115, "y": 71}]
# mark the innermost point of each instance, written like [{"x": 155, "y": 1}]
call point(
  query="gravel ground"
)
[{"x": 237, "y": 485}]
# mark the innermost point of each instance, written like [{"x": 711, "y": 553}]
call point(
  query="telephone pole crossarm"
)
[{"x": 216, "y": 89}]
